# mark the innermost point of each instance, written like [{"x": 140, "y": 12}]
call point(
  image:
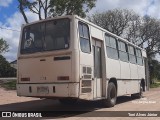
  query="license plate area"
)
[{"x": 43, "y": 89}]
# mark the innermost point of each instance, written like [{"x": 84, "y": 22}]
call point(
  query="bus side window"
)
[
  {"x": 111, "y": 46},
  {"x": 84, "y": 37},
  {"x": 123, "y": 55},
  {"x": 139, "y": 57},
  {"x": 132, "y": 57}
]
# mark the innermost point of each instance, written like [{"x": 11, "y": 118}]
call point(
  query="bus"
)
[{"x": 69, "y": 58}]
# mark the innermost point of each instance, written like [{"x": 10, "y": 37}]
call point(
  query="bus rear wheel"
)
[
  {"x": 68, "y": 101},
  {"x": 111, "y": 95}
]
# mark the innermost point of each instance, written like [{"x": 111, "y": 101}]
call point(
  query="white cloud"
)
[
  {"x": 153, "y": 9},
  {"x": 5, "y": 3},
  {"x": 12, "y": 37},
  {"x": 142, "y": 7},
  {"x": 158, "y": 57}
]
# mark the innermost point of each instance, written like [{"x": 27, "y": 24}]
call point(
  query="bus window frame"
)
[
  {"x": 126, "y": 48},
  {"x": 44, "y": 22},
  {"x": 136, "y": 49},
  {"x": 89, "y": 37},
  {"x": 108, "y": 46}
]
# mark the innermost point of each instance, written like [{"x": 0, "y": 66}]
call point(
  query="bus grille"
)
[
  {"x": 86, "y": 90},
  {"x": 87, "y": 76},
  {"x": 87, "y": 70},
  {"x": 86, "y": 82}
]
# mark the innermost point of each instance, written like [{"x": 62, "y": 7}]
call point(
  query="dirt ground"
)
[{"x": 9, "y": 101}]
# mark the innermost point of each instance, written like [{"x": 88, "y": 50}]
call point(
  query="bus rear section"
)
[{"x": 46, "y": 60}]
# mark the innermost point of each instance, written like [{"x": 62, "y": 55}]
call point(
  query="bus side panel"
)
[
  {"x": 86, "y": 62},
  {"x": 125, "y": 70},
  {"x": 141, "y": 72},
  {"x": 132, "y": 86},
  {"x": 113, "y": 68},
  {"x": 134, "y": 72},
  {"x": 96, "y": 33},
  {"x": 75, "y": 51},
  {"x": 127, "y": 87},
  {"x": 121, "y": 87}
]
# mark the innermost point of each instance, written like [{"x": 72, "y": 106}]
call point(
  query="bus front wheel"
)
[{"x": 111, "y": 95}]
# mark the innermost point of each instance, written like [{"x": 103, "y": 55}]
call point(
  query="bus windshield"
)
[{"x": 46, "y": 36}]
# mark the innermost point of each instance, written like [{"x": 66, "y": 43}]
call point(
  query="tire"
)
[
  {"x": 68, "y": 101},
  {"x": 138, "y": 95},
  {"x": 111, "y": 95}
]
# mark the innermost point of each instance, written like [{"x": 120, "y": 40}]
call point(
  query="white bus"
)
[{"x": 69, "y": 58}]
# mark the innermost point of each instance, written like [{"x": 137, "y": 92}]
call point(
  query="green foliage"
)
[
  {"x": 155, "y": 85},
  {"x": 45, "y": 8},
  {"x": 70, "y": 7},
  {"x": 5, "y": 69},
  {"x": 9, "y": 85},
  {"x": 154, "y": 71},
  {"x": 3, "y": 46}
]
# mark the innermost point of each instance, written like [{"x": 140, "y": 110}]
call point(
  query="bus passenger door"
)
[{"x": 97, "y": 58}]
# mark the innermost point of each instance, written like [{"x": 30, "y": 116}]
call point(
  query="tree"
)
[
  {"x": 142, "y": 31},
  {"x": 115, "y": 21},
  {"x": 5, "y": 69},
  {"x": 3, "y": 46},
  {"x": 39, "y": 7},
  {"x": 70, "y": 7},
  {"x": 150, "y": 36},
  {"x": 132, "y": 33},
  {"x": 155, "y": 71},
  {"x": 45, "y": 8}
]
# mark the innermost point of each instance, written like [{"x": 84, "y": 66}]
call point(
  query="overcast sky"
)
[{"x": 11, "y": 18}]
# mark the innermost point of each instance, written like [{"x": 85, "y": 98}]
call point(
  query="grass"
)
[
  {"x": 9, "y": 85},
  {"x": 155, "y": 85}
]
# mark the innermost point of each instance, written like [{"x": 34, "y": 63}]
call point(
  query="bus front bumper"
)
[{"x": 55, "y": 90}]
